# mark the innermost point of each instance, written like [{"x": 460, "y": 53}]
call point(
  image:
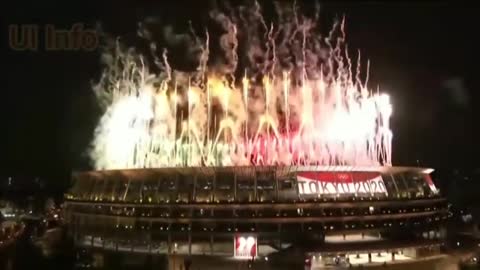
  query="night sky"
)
[{"x": 421, "y": 54}]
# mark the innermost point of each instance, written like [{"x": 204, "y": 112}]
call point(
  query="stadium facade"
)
[{"x": 311, "y": 215}]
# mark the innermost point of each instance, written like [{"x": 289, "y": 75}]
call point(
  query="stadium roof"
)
[{"x": 243, "y": 170}]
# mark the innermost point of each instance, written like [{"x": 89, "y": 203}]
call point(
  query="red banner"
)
[
  {"x": 311, "y": 183},
  {"x": 245, "y": 246},
  {"x": 430, "y": 183}
]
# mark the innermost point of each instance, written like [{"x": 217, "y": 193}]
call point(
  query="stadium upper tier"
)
[{"x": 248, "y": 184}]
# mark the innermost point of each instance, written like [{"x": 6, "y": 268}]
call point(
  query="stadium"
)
[
  {"x": 237, "y": 162},
  {"x": 270, "y": 214}
]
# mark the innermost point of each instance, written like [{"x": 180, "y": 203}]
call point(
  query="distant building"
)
[{"x": 7, "y": 210}]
